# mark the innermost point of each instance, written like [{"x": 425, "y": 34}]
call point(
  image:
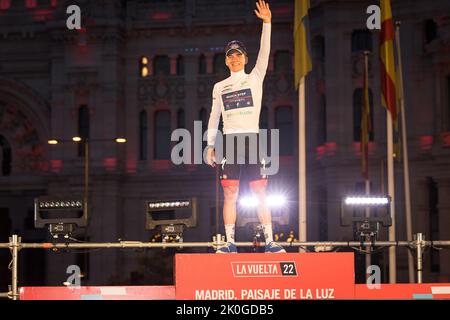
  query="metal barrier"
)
[{"x": 15, "y": 245}]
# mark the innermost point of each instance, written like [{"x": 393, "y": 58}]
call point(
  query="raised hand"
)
[{"x": 263, "y": 11}]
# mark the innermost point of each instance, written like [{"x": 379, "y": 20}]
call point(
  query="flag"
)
[
  {"x": 388, "y": 74},
  {"x": 303, "y": 63},
  {"x": 365, "y": 122}
]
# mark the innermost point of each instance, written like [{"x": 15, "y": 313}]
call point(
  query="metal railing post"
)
[
  {"x": 15, "y": 247},
  {"x": 419, "y": 243}
]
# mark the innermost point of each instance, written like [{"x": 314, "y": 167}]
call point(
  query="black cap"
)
[{"x": 235, "y": 45}]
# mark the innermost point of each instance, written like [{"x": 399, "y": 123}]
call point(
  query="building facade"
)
[{"x": 141, "y": 69}]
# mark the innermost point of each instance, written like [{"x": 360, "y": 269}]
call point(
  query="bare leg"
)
[
  {"x": 229, "y": 210},
  {"x": 264, "y": 214}
]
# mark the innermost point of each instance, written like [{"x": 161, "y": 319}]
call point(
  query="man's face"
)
[{"x": 235, "y": 61}]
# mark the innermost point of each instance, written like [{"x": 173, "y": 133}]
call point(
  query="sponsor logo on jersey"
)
[{"x": 237, "y": 99}]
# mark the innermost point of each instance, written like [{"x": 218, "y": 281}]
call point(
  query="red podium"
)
[{"x": 289, "y": 276}]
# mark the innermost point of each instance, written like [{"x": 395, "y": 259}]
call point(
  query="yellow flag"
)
[{"x": 303, "y": 63}]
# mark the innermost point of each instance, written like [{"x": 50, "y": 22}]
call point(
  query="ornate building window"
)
[
  {"x": 180, "y": 66},
  {"x": 161, "y": 65},
  {"x": 357, "y": 112},
  {"x": 162, "y": 135},
  {"x": 361, "y": 41},
  {"x": 181, "y": 121},
  {"x": 143, "y": 134},
  {"x": 283, "y": 62},
  {"x": 220, "y": 67},
  {"x": 5, "y": 156},
  {"x": 202, "y": 64},
  {"x": 83, "y": 127},
  {"x": 283, "y": 120},
  {"x": 430, "y": 30},
  {"x": 319, "y": 48}
]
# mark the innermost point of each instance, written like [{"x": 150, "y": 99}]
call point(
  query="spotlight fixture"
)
[
  {"x": 172, "y": 216},
  {"x": 366, "y": 213},
  {"x": 60, "y": 215}
]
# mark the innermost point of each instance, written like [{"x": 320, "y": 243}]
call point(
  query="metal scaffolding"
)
[{"x": 15, "y": 245}]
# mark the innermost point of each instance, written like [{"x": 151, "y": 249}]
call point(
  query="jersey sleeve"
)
[
  {"x": 264, "y": 52},
  {"x": 214, "y": 117}
]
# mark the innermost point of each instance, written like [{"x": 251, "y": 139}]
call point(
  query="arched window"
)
[
  {"x": 283, "y": 119},
  {"x": 430, "y": 30},
  {"x": 162, "y": 135},
  {"x": 5, "y": 156},
  {"x": 181, "y": 122},
  {"x": 319, "y": 48},
  {"x": 361, "y": 40},
  {"x": 219, "y": 64},
  {"x": 83, "y": 127},
  {"x": 143, "y": 134},
  {"x": 161, "y": 65},
  {"x": 202, "y": 64},
  {"x": 357, "y": 113},
  {"x": 180, "y": 65},
  {"x": 283, "y": 61},
  {"x": 322, "y": 121}
]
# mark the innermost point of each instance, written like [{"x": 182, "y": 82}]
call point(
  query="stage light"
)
[
  {"x": 76, "y": 139},
  {"x": 65, "y": 204},
  {"x": 366, "y": 201},
  {"x": 248, "y": 202},
  {"x": 60, "y": 216},
  {"x": 121, "y": 140},
  {"x": 276, "y": 201},
  {"x": 171, "y": 213},
  {"x": 52, "y": 141},
  {"x": 273, "y": 201},
  {"x": 61, "y": 229},
  {"x": 365, "y": 213}
]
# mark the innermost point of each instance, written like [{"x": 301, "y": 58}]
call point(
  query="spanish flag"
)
[
  {"x": 365, "y": 122},
  {"x": 303, "y": 63},
  {"x": 388, "y": 74}
]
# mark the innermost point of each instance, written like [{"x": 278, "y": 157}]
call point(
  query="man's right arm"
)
[{"x": 214, "y": 118}]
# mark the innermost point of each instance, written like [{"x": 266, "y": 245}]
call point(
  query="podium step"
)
[{"x": 98, "y": 293}]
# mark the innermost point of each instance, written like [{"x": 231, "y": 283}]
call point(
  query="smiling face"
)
[{"x": 236, "y": 61}]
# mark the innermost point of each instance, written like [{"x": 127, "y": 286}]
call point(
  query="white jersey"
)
[{"x": 238, "y": 97}]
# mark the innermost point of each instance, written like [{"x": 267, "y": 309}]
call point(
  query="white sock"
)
[
  {"x": 268, "y": 233},
  {"x": 229, "y": 231}
]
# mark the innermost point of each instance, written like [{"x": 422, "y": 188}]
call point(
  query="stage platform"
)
[{"x": 252, "y": 276}]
